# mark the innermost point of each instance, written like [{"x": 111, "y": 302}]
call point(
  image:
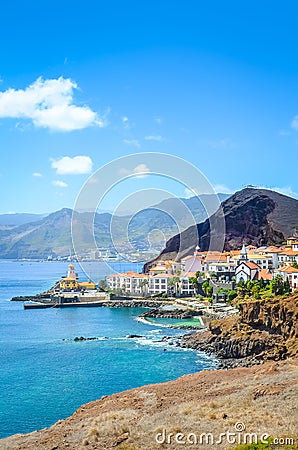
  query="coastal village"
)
[
  {"x": 222, "y": 271},
  {"x": 217, "y": 277}
]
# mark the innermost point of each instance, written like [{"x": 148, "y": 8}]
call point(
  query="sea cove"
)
[{"x": 45, "y": 375}]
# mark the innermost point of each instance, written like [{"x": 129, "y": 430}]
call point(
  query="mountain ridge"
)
[
  {"x": 51, "y": 235},
  {"x": 252, "y": 216}
]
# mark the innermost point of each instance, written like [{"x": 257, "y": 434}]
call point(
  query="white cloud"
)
[
  {"x": 154, "y": 138},
  {"x": 59, "y": 183},
  {"x": 294, "y": 123},
  {"x": 127, "y": 124},
  {"x": 140, "y": 170},
  {"x": 37, "y": 174},
  {"x": 49, "y": 104},
  {"x": 133, "y": 142},
  {"x": 72, "y": 166},
  {"x": 158, "y": 120}
]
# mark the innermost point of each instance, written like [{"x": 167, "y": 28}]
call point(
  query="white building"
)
[
  {"x": 128, "y": 282},
  {"x": 246, "y": 271},
  {"x": 192, "y": 263},
  {"x": 185, "y": 286},
  {"x": 287, "y": 257},
  {"x": 159, "y": 284},
  {"x": 289, "y": 273}
]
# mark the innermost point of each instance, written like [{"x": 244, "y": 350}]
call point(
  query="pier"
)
[{"x": 47, "y": 305}]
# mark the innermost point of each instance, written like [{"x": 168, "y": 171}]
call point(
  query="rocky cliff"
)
[
  {"x": 251, "y": 216},
  {"x": 264, "y": 330}
]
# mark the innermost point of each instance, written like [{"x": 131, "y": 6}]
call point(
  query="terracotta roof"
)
[
  {"x": 265, "y": 274},
  {"x": 128, "y": 274},
  {"x": 188, "y": 274},
  {"x": 216, "y": 257},
  {"x": 139, "y": 275},
  {"x": 257, "y": 256},
  {"x": 251, "y": 265},
  {"x": 287, "y": 269},
  {"x": 272, "y": 249},
  {"x": 235, "y": 252},
  {"x": 186, "y": 257},
  {"x": 289, "y": 252},
  {"x": 164, "y": 275}
]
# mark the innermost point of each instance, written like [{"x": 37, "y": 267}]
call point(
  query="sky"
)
[{"x": 83, "y": 83}]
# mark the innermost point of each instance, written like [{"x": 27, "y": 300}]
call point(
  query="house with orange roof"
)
[
  {"x": 292, "y": 240},
  {"x": 127, "y": 282},
  {"x": 288, "y": 256},
  {"x": 223, "y": 269},
  {"x": 289, "y": 273},
  {"x": 165, "y": 266},
  {"x": 246, "y": 270},
  {"x": 265, "y": 274},
  {"x": 186, "y": 288},
  {"x": 159, "y": 284},
  {"x": 264, "y": 260},
  {"x": 192, "y": 263}
]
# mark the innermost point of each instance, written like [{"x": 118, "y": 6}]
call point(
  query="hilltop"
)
[
  {"x": 35, "y": 236},
  {"x": 252, "y": 216}
]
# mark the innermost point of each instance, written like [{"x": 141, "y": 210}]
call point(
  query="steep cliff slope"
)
[
  {"x": 264, "y": 330},
  {"x": 252, "y": 216}
]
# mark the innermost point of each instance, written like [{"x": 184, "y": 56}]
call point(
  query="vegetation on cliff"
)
[{"x": 263, "y": 330}]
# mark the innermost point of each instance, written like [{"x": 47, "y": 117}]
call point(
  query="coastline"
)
[{"x": 225, "y": 340}]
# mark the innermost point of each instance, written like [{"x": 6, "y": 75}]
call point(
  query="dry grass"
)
[{"x": 264, "y": 398}]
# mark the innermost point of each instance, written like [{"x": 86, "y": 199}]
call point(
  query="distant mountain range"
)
[
  {"x": 13, "y": 220},
  {"x": 37, "y": 236},
  {"x": 252, "y": 216}
]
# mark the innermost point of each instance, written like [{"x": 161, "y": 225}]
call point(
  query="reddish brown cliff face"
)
[{"x": 252, "y": 216}]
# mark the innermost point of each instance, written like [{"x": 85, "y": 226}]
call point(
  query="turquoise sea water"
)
[{"x": 45, "y": 376}]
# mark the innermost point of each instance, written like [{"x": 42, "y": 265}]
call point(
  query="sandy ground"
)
[{"x": 261, "y": 399}]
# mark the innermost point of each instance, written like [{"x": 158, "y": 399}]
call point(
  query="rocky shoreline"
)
[
  {"x": 176, "y": 313},
  {"x": 263, "y": 331}
]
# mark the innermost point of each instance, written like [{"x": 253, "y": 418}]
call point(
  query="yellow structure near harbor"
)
[{"x": 71, "y": 283}]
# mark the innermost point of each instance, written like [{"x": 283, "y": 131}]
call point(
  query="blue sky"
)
[{"x": 214, "y": 82}]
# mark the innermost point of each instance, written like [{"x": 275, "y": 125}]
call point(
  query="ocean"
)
[{"x": 45, "y": 375}]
